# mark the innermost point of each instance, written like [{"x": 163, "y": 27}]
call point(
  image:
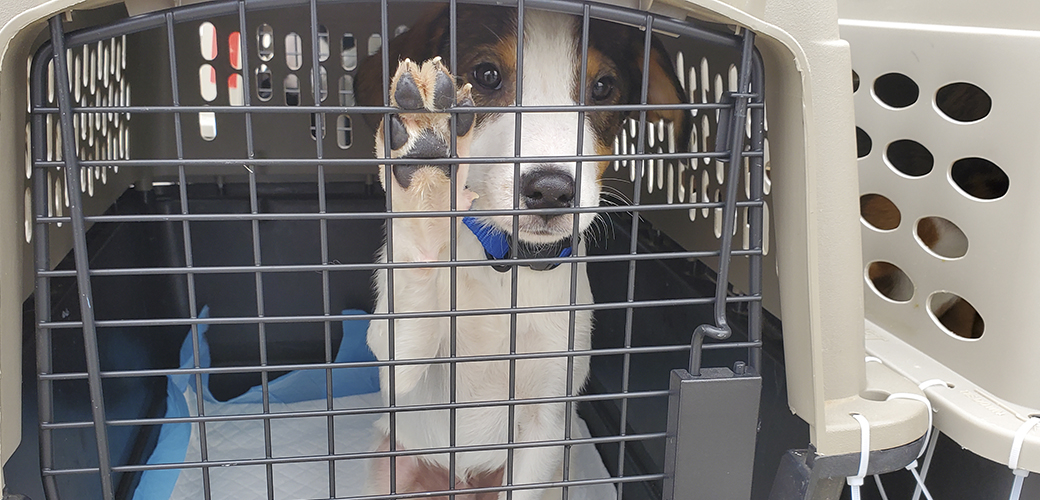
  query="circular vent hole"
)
[
  {"x": 963, "y": 102},
  {"x": 955, "y": 315},
  {"x": 890, "y": 281},
  {"x": 863, "y": 143},
  {"x": 896, "y": 90},
  {"x": 909, "y": 157},
  {"x": 941, "y": 237},
  {"x": 879, "y": 212},
  {"x": 979, "y": 178},
  {"x": 855, "y": 81}
]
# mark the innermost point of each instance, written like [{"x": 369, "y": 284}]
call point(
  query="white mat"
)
[{"x": 294, "y": 438}]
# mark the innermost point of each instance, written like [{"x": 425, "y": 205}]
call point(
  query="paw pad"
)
[{"x": 428, "y": 90}]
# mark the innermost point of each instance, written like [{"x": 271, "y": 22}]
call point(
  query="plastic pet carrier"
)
[{"x": 194, "y": 210}]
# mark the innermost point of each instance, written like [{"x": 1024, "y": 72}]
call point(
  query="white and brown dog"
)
[{"x": 487, "y": 66}]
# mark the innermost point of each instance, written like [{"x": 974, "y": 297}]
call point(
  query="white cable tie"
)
[
  {"x": 927, "y": 464},
  {"x": 874, "y": 359},
  {"x": 1020, "y": 437},
  {"x": 880, "y": 488},
  {"x": 1016, "y": 487},
  {"x": 1016, "y": 452},
  {"x": 932, "y": 383},
  {"x": 927, "y": 403},
  {"x": 864, "y": 455},
  {"x": 920, "y": 482}
]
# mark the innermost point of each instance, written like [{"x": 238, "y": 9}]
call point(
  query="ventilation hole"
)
[
  {"x": 890, "y": 281},
  {"x": 323, "y": 43},
  {"x": 650, "y": 176},
  {"x": 941, "y": 237},
  {"x": 705, "y": 79},
  {"x": 909, "y": 157},
  {"x": 704, "y": 193},
  {"x": 767, "y": 180},
  {"x": 292, "y": 90},
  {"x": 732, "y": 78},
  {"x": 208, "y": 125},
  {"x": 293, "y": 51},
  {"x": 51, "y": 139},
  {"x": 855, "y": 81},
  {"x": 979, "y": 178},
  {"x": 745, "y": 229},
  {"x": 50, "y": 83},
  {"x": 718, "y": 215},
  {"x": 863, "y": 143},
  {"x": 765, "y": 228},
  {"x": 400, "y": 30},
  {"x": 705, "y": 137},
  {"x": 344, "y": 132},
  {"x": 54, "y": 205},
  {"x": 718, "y": 87},
  {"x": 208, "y": 41},
  {"x": 374, "y": 42},
  {"x": 236, "y": 90},
  {"x": 28, "y": 151},
  {"x": 28, "y": 215},
  {"x": 963, "y": 102},
  {"x": 955, "y": 315},
  {"x": 314, "y": 125},
  {"x": 896, "y": 90},
  {"x": 348, "y": 52},
  {"x": 264, "y": 83},
  {"x": 77, "y": 81},
  {"x": 235, "y": 50},
  {"x": 265, "y": 42},
  {"x": 207, "y": 82},
  {"x": 92, "y": 76},
  {"x": 879, "y": 212},
  {"x": 670, "y": 191},
  {"x": 680, "y": 69},
  {"x": 323, "y": 83},
  {"x": 693, "y": 195}
]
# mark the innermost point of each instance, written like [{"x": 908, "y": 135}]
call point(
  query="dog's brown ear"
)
[
  {"x": 625, "y": 45},
  {"x": 664, "y": 88},
  {"x": 419, "y": 43}
]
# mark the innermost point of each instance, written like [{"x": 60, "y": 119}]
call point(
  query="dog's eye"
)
[
  {"x": 602, "y": 88},
  {"x": 487, "y": 75}
]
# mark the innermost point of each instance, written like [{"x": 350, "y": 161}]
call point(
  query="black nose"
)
[{"x": 547, "y": 189}]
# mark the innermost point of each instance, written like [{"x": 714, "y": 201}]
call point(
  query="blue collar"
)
[{"x": 496, "y": 247}]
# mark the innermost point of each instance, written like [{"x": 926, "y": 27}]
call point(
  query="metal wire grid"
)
[{"x": 732, "y": 113}]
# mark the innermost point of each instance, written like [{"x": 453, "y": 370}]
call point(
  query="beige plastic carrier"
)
[
  {"x": 815, "y": 234},
  {"x": 908, "y": 58}
]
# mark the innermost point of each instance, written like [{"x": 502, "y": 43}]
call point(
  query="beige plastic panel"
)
[
  {"x": 817, "y": 240},
  {"x": 997, "y": 373}
]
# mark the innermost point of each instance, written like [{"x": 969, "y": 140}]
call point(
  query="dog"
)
[{"x": 422, "y": 88}]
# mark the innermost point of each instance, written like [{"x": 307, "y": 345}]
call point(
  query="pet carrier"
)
[
  {"x": 199, "y": 213},
  {"x": 938, "y": 112}
]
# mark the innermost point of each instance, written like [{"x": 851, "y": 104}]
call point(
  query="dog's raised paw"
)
[{"x": 423, "y": 130}]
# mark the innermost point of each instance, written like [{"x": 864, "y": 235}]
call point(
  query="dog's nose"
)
[{"x": 547, "y": 189}]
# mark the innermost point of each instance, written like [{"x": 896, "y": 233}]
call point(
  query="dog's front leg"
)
[
  {"x": 420, "y": 131},
  {"x": 544, "y": 422}
]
